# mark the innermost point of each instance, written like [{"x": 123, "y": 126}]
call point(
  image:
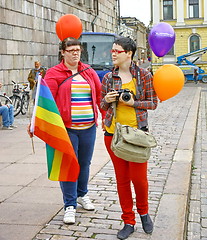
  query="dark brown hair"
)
[
  {"x": 127, "y": 44},
  {"x": 69, "y": 42}
]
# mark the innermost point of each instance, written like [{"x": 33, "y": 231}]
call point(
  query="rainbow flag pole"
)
[
  {"x": 47, "y": 124},
  {"x": 33, "y": 148}
]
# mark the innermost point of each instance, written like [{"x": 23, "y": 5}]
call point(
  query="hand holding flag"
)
[{"x": 47, "y": 124}]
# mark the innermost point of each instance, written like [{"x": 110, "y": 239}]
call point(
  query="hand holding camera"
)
[
  {"x": 122, "y": 95},
  {"x": 126, "y": 96},
  {"x": 111, "y": 96}
]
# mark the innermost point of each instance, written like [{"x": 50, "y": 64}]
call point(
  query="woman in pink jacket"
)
[{"x": 76, "y": 89}]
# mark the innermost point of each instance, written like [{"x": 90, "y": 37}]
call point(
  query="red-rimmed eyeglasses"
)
[{"x": 116, "y": 51}]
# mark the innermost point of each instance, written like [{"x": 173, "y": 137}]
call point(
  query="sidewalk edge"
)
[{"x": 171, "y": 217}]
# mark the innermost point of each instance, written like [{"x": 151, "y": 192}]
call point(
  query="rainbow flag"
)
[{"x": 47, "y": 124}]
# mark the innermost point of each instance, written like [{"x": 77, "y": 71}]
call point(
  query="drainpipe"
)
[
  {"x": 96, "y": 17},
  {"x": 151, "y": 7},
  {"x": 119, "y": 17}
]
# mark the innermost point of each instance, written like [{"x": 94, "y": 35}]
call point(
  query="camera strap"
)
[{"x": 138, "y": 85}]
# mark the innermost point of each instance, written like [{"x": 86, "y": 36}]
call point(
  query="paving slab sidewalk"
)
[{"x": 31, "y": 206}]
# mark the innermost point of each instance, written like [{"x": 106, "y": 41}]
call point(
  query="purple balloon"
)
[{"x": 161, "y": 38}]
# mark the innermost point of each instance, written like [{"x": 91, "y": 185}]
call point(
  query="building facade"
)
[
  {"x": 27, "y": 31},
  {"x": 189, "y": 21},
  {"x": 139, "y": 32}
]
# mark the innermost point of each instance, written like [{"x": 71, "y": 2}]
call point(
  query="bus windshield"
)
[{"x": 97, "y": 50}]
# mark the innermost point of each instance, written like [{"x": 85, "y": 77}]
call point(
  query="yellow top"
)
[{"x": 125, "y": 114}]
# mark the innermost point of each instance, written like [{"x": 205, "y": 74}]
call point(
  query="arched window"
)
[{"x": 194, "y": 43}]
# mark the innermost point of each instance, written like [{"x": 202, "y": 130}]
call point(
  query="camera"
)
[{"x": 126, "y": 96}]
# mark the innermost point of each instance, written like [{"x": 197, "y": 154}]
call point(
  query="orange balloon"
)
[
  {"x": 168, "y": 81},
  {"x": 68, "y": 25}
]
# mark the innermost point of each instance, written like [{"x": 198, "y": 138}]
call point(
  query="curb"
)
[{"x": 172, "y": 212}]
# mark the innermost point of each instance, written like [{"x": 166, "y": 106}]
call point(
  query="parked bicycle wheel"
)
[
  {"x": 4, "y": 99},
  {"x": 17, "y": 103},
  {"x": 25, "y": 103}
]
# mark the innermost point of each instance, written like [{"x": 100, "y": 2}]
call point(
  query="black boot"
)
[
  {"x": 125, "y": 232},
  {"x": 147, "y": 223}
]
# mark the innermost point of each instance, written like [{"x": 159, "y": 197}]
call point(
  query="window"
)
[
  {"x": 171, "y": 52},
  {"x": 167, "y": 9},
  {"x": 193, "y": 8},
  {"x": 97, "y": 49},
  {"x": 194, "y": 43}
]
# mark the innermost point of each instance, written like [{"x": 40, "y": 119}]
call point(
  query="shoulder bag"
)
[{"x": 131, "y": 144}]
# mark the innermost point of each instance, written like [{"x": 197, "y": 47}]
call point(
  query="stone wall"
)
[{"x": 27, "y": 31}]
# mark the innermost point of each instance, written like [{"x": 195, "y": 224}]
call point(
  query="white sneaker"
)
[
  {"x": 69, "y": 216},
  {"x": 6, "y": 128},
  {"x": 13, "y": 126},
  {"x": 86, "y": 203}
]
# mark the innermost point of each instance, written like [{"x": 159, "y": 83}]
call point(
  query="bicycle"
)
[
  {"x": 20, "y": 98},
  {"x": 25, "y": 99},
  {"x": 16, "y": 99}
]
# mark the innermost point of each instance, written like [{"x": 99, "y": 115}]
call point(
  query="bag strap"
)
[
  {"x": 137, "y": 84},
  {"x": 73, "y": 76}
]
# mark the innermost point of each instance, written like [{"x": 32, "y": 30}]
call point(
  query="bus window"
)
[{"x": 97, "y": 49}]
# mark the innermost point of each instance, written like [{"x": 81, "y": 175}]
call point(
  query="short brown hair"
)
[
  {"x": 127, "y": 44},
  {"x": 69, "y": 42}
]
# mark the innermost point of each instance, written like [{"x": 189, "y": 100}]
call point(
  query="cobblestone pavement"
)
[
  {"x": 197, "y": 220},
  {"x": 166, "y": 123}
]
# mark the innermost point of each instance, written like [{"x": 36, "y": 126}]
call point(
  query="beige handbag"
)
[{"x": 131, "y": 144}]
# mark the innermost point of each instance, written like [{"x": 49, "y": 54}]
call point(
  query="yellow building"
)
[{"x": 189, "y": 21}]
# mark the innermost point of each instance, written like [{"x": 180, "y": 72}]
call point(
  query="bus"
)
[{"x": 96, "y": 51}]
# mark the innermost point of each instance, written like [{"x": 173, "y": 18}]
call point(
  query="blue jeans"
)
[
  {"x": 7, "y": 115},
  {"x": 83, "y": 143}
]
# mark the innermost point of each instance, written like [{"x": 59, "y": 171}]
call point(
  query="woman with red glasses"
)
[
  {"x": 133, "y": 112},
  {"x": 76, "y": 89}
]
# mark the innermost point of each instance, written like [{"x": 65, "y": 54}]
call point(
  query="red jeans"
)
[{"x": 127, "y": 172}]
